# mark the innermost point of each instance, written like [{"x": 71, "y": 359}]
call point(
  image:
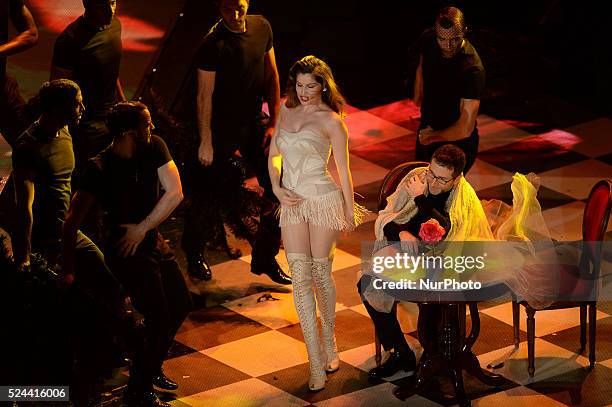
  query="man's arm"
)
[
  {"x": 119, "y": 90},
  {"x": 79, "y": 207},
  {"x": 27, "y": 35},
  {"x": 272, "y": 92},
  {"x": 172, "y": 197},
  {"x": 24, "y": 191},
  {"x": 417, "y": 97},
  {"x": 461, "y": 129},
  {"x": 206, "y": 86}
]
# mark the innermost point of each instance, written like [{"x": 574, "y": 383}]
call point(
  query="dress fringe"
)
[{"x": 324, "y": 210}]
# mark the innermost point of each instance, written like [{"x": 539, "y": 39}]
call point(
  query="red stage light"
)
[{"x": 55, "y": 15}]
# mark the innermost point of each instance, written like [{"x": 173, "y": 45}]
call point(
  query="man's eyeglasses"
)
[{"x": 442, "y": 181}]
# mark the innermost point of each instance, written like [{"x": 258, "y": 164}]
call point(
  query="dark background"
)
[{"x": 532, "y": 50}]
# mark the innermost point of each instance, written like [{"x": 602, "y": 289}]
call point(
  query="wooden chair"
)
[
  {"x": 576, "y": 281},
  {"x": 387, "y": 187}
]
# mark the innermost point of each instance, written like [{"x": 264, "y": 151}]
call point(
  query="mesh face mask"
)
[{"x": 449, "y": 39}]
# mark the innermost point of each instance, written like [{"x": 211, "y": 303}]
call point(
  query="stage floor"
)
[{"x": 237, "y": 350}]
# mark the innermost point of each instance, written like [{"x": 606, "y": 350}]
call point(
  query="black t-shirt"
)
[
  {"x": 7, "y": 7},
  {"x": 128, "y": 189},
  {"x": 94, "y": 56},
  {"x": 51, "y": 161},
  {"x": 238, "y": 60},
  {"x": 430, "y": 206},
  {"x": 447, "y": 80}
]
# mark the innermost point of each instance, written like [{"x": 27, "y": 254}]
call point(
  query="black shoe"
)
[
  {"x": 147, "y": 399},
  {"x": 161, "y": 380},
  {"x": 128, "y": 318},
  {"x": 397, "y": 361},
  {"x": 272, "y": 270},
  {"x": 198, "y": 267}
]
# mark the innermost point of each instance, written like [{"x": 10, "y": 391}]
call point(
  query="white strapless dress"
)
[{"x": 305, "y": 160}]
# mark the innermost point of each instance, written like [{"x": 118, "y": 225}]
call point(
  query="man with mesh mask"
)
[{"x": 448, "y": 85}]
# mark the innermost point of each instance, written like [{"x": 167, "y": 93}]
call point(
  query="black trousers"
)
[
  {"x": 156, "y": 285},
  {"x": 84, "y": 318},
  {"x": 92, "y": 274},
  {"x": 388, "y": 328},
  {"x": 469, "y": 145},
  {"x": 207, "y": 183},
  {"x": 96, "y": 302}
]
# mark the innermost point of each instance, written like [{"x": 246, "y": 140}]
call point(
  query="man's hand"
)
[
  {"x": 425, "y": 135},
  {"x": 267, "y": 138},
  {"x": 409, "y": 243},
  {"x": 24, "y": 266},
  {"x": 286, "y": 197},
  {"x": 205, "y": 154},
  {"x": 128, "y": 244},
  {"x": 416, "y": 185}
]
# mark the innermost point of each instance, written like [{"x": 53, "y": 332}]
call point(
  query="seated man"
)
[
  {"x": 425, "y": 193},
  {"x": 127, "y": 180}
]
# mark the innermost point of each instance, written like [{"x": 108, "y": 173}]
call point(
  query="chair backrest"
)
[
  {"x": 393, "y": 178},
  {"x": 594, "y": 224},
  {"x": 597, "y": 211}
]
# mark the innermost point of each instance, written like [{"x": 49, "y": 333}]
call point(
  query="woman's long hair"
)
[{"x": 323, "y": 74}]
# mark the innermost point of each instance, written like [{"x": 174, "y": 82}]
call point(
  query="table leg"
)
[
  {"x": 425, "y": 371},
  {"x": 452, "y": 353},
  {"x": 460, "y": 396}
]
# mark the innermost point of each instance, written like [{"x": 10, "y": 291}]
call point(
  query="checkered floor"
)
[{"x": 243, "y": 345}]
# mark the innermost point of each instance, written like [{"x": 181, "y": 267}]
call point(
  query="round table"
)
[{"x": 451, "y": 352}]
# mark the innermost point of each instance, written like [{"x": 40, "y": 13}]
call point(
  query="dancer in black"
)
[
  {"x": 448, "y": 86},
  {"x": 89, "y": 51},
  {"x": 126, "y": 179},
  {"x": 43, "y": 163},
  {"x": 236, "y": 69}
]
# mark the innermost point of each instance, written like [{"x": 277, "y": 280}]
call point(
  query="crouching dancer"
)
[{"x": 127, "y": 179}]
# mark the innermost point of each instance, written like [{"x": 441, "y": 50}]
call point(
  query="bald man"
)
[
  {"x": 88, "y": 51},
  {"x": 448, "y": 85}
]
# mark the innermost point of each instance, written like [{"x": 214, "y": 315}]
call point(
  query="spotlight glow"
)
[{"x": 55, "y": 15}]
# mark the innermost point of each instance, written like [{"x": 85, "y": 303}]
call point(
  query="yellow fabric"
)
[
  {"x": 519, "y": 265},
  {"x": 467, "y": 217}
]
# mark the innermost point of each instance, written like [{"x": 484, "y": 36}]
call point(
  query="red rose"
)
[{"x": 431, "y": 231}]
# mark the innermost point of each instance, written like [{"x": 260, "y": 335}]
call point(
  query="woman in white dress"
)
[{"x": 314, "y": 210}]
